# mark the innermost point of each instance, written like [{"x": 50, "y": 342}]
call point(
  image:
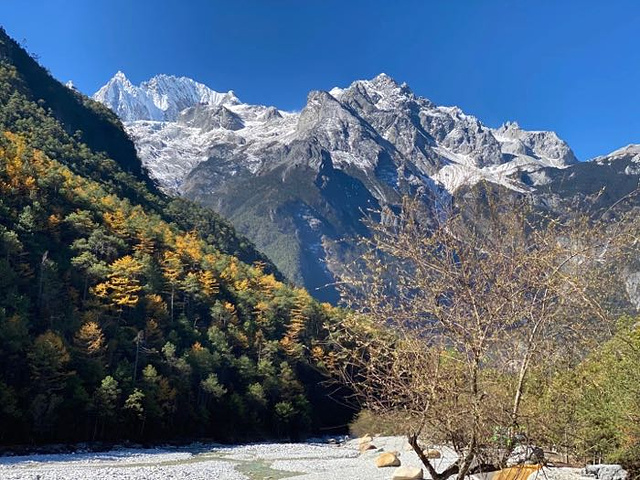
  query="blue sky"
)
[{"x": 568, "y": 66}]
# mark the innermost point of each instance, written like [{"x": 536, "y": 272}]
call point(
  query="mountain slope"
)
[
  {"x": 123, "y": 313},
  {"x": 26, "y": 81}
]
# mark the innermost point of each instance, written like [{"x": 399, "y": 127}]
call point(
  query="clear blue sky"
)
[{"x": 568, "y": 66}]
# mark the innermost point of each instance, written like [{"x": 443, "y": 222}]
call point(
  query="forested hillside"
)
[{"x": 124, "y": 314}]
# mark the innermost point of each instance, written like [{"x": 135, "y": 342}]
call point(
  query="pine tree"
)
[{"x": 106, "y": 402}]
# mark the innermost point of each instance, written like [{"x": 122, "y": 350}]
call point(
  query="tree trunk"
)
[
  {"x": 454, "y": 469},
  {"x": 86, "y": 287},
  {"x": 173, "y": 293},
  {"x": 95, "y": 429},
  {"x": 135, "y": 366},
  {"x": 524, "y": 367},
  {"x": 413, "y": 441},
  {"x": 466, "y": 464}
]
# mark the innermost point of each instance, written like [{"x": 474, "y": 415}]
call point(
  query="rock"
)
[
  {"x": 408, "y": 473},
  {"x": 408, "y": 447},
  {"x": 365, "y": 447},
  {"x": 365, "y": 439},
  {"x": 387, "y": 459},
  {"x": 432, "y": 453},
  {"x": 607, "y": 471},
  {"x": 525, "y": 454}
]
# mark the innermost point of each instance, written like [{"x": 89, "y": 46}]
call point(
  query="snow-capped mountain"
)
[
  {"x": 299, "y": 183},
  {"x": 356, "y": 124},
  {"x": 161, "y": 98}
]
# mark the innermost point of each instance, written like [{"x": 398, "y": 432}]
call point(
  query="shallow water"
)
[{"x": 247, "y": 462}]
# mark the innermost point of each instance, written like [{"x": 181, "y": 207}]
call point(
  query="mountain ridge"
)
[
  {"x": 299, "y": 183},
  {"x": 381, "y": 93}
]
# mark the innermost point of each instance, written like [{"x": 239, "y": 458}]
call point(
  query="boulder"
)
[
  {"x": 365, "y": 439},
  {"x": 526, "y": 454},
  {"x": 408, "y": 473},
  {"x": 605, "y": 471},
  {"x": 432, "y": 453},
  {"x": 387, "y": 459},
  {"x": 365, "y": 447}
]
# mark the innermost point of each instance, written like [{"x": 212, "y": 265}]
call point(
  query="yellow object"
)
[{"x": 520, "y": 472}]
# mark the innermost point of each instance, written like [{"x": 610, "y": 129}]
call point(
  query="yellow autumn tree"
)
[
  {"x": 268, "y": 284},
  {"x": 189, "y": 246},
  {"x": 122, "y": 287},
  {"x": 145, "y": 244},
  {"x": 297, "y": 324},
  {"x": 89, "y": 339},
  {"x": 231, "y": 313},
  {"x": 117, "y": 222},
  {"x": 209, "y": 283},
  {"x": 172, "y": 270},
  {"x": 19, "y": 177},
  {"x": 231, "y": 271},
  {"x": 156, "y": 307}
]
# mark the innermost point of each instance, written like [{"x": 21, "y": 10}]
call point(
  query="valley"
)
[{"x": 323, "y": 273}]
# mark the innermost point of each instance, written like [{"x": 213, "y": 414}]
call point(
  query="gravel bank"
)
[{"x": 269, "y": 461}]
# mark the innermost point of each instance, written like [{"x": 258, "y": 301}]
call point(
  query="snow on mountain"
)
[
  {"x": 626, "y": 159},
  {"x": 160, "y": 98},
  {"x": 360, "y": 124},
  {"x": 171, "y": 150},
  {"x": 546, "y": 146},
  {"x": 444, "y": 143}
]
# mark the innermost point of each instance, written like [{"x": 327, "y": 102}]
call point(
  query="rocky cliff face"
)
[{"x": 299, "y": 184}]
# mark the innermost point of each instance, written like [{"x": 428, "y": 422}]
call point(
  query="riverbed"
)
[{"x": 313, "y": 460}]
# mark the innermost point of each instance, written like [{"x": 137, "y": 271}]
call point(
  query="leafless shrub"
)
[{"x": 450, "y": 318}]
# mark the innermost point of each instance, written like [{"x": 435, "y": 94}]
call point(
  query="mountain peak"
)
[
  {"x": 510, "y": 125},
  {"x": 120, "y": 76},
  {"x": 384, "y": 80},
  {"x": 380, "y": 92},
  {"x": 546, "y": 145},
  {"x": 119, "y": 79},
  {"x": 160, "y": 98},
  {"x": 382, "y": 84}
]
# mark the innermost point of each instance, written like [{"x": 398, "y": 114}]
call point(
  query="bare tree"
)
[{"x": 449, "y": 318}]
